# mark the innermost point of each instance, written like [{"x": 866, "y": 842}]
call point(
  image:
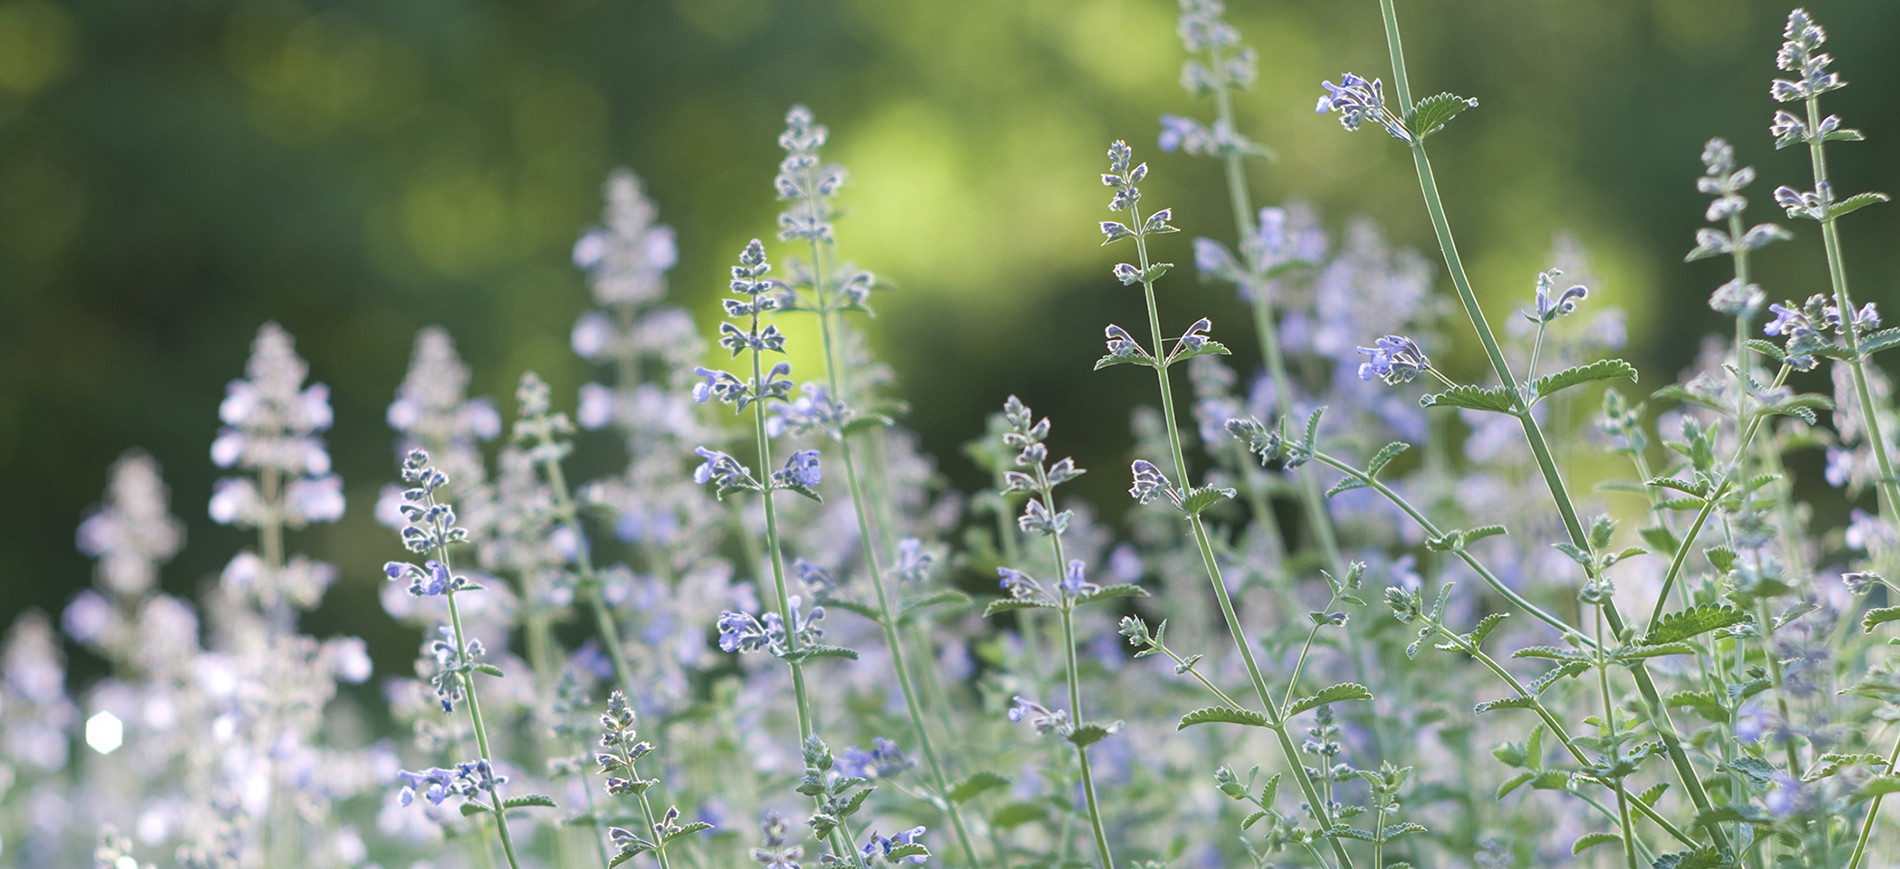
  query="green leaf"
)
[
  {"x": 1223, "y": 714},
  {"x": 852, "y": 606},
  {"x": 977, "y": 783},
  {"x": 810, "y": 652},
  {"x": 1196, "y": 501},
  {"x": 1207, "y": 348},
  {"x": 1854, "y": 203},
  {"x": 1756, "y": 769},
  {"x": 686, "y": 829},
  {"x": 1590, "y": 840},
  {"x": 1345, "y": 484},
  {"x": 1010, "y": 604},
  {"x": 1654, "y": 793},
  {"x": 490, "y": 669},
  {"x": 1018, "y": 813},
  {"x": 1485, "y": 626},
  {"x": 1553, "y": 653},
  {"x": 1086, "y": 735},
  {"x": 623, "y": 857},
  {"x": 1706, "y": 704},
  {"x": 1504, "y": 703},
  {"x": 1393, "y": 831},
  {"x": 472, "y": 809},
  {"x": 1329, "y": 694},
  {"x": 1879, "y": 785},
  {"x": 1111, "y": 592},
  {"x": 1695, "y": 621},
  {"x": 1878, "y": 341},
  {"x": 1497, "y": 399},
  {"x": 1660, "y": 539},
  {"x": 530, "y": 800},
  {"x": 1832, "y": 763},
  {"x": 1254, "y": 818},
  {"x": 1653, "y": 650},
  {"x": 1142, "y": 359},
  {"x": 1515, "y": 782},
  {"x": 1721, "y": 557},
  {"x": 899, "y": 852},
  {"x": 1877, "y": 617},
  {"x": 1385, "y": 455},
  {"x": 1602, "y": 369},
  {"x": 1431, "y": 113},
  {"x": 944, "y": 596}
]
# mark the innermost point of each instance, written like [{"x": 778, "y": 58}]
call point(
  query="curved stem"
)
[
  {"x": 1540, "y": 449},
  {"x": 1321, "y": 811}
]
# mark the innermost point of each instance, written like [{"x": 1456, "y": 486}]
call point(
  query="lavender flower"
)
[
  {"x": 1356, "y": 100},
  {"x": 133, "y": 532},
  {"x": 1395, "y": 360},
  {"x": 805, "y": 182},
  {"x": 1039, "y": 716},
  {"x": 1548, "y": 308},
  {"x": 879, "y": 845},
  {"x": 1149, "y": 482},
  {"x": 884, "y": 760},
  {"x": 1798, "y": 55}
]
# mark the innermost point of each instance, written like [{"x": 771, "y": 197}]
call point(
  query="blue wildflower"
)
[
  {"x": 1075, "y": 581},
  {"x": 1149, "y": 481},
  {"x": 1038, "y": 716},
  {"x": 1356, "y": 99},
  {"x": 884, "y": 760},
  {"x": 801, "y": 471},
  {"x": 1396, "y": 359},
  {"x": 879, "y": 844},
  {"x": 1548, "y": 308}
]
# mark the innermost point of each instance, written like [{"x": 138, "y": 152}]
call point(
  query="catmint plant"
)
[
  {"x": 430, "y": 530},
  {"x": 1041, "y": 518},
  {"x": 829, "y": 290},
  {"x": 1151, "y": 483}
]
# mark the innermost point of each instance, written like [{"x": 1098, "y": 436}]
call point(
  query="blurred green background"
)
[{"x": 174, "y": 174}]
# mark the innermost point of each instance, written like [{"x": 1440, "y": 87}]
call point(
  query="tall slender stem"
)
[
  {"x": 1540, "y": 449},
  {"x": 1322, "y": 812},
  {"x": 868, "y": 543}
]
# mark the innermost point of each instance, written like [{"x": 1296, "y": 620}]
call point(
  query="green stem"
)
[
  {"x": 1082, "y": 752},
  {"x": 887, "y": 620},
  {"x": 475, "y": 715},
  {"x": 1672, "y": 741},
  {"x": 1321, "y": 811},
  {"x": 604, "y": 623},
  {"x": 1873, "y": 811}
]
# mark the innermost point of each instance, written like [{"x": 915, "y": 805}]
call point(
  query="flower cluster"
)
[
  {"x": 1358, "y": 100},
  {"x": 1801, "y": 39},
  {"x": 744, "y": 632},
  {"x": 471, "y": 780},
  {"x": 1806, "y": 329},
  {"x": 1398, "y": 359}
]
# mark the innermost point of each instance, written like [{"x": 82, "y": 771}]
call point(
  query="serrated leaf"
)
[
  {"x": 1877, "y": 617},
  {"x": 530, "y": 800},
  {"x": 1654, "y": 793},
  {"x": 1224, "y": 715},
  {"x": 977, "y": 783},
  {"x": 1602, "y": 369},
  {"x": 1765, "y": 348},
  {"x": 1497, "y": 399},
  {"x": 1330, "y": 694},
  {"x": 1721, "y": 557},
  {"x": 1515, "y": 782},
  {"x": 1209, "y": 347},
  {"x": 1693, "y": 622},
  {"x": 1345, "y": 484},
  {"x": 1568, "y": 669},
  {"x": 1590, "y": 840},
  {"x": 1485, "y": 626},
  {"x": 1010, "y": 604},
  {"x": 1088, "y": 734},
  {"x": 1854, "y": 203},
  {"x": 1832, "y": 763},
  {"x": 1660, "y": 539},
  {"x": 1504, "y": 703},
  {"x": 1111, "y": 592},
  {"x": 1553, "y": 653},
  {"x": 1704, "y": 703},
  {"x": 1653, "y": 650},
  {"x": 938, "y": 598},
  {"x": 1878, "y": 341},
  {"x": 1879, "y": 785},
  {"x": 472, "y": 809},
  {"x": 1431, "y": 113},
  {"x": 1018, "y": 813},
  {"x": 1756, "y": 769},
  {"x": 1196, "y": 501},
  {"x": 809, "y": 652},
  {"x": 1253, "y": 819},
  {"x": 899, "y": 852},
  {"x": 1385, "y": 455},
  {"x": 1393, "y": 831},
  {"x": 1128, "y": 359},
  {"x": 623, "y": 857},
  {"x": 852, "y": 606},
  {"x": 686, "y": 829}
]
